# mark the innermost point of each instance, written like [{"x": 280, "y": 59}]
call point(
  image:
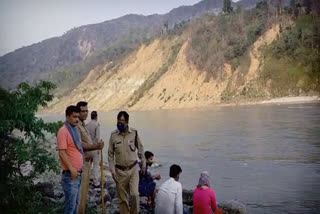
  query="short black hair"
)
[
  {"x": 175, "y": 170},
  {"x": 124, "y": 114},
  {"x": 71, "y": 109},
  {"x": 148, "y": 154},
  {"x": 94, "y": 115},
  {"x": 82, "y": 103}
]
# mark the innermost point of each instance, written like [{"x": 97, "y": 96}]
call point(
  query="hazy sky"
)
[{"x": 24, "y": 22}]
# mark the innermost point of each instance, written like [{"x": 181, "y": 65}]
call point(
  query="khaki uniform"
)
[
  {"x": 85, "y": 138},
  {"x": 123, "y": 152}
]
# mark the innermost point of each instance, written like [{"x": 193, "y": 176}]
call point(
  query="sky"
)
[{"x": 24, "y": 22}]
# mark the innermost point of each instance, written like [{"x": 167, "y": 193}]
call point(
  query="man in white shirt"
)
[{"x": 169, "y": 196}]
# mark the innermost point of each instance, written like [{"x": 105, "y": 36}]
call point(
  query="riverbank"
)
[
  {"x": 49, "y": 186},
  {"x": 240, "y": 102},
  {"x": 279, "y": 100},
  {"x": 53, "y": 196}
]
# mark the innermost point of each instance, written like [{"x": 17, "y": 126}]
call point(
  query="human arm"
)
[
  {"x": 64, "y": 158},
  {"x": 178, "y": 200},
  {"x": 214, "y": 206},
  {"x": 141, "y": 154},
  {"x": 111, "y": 158},
  {"x": 91, "y": 147},
  {"x": 87, "y": 143},
  {"x": 97, "y": 133},
  {"x": 156, "y": 176}
]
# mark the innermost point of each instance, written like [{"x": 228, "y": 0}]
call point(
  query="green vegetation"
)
[
  {"x": 217, "y": 39},
  {"x": 18, "y": 108},
  {"x": 289, "y": 66},
  {"x": 293, "y": 61}
]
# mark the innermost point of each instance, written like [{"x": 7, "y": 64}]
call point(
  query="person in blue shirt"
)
[{"x": 147, "y": 186}]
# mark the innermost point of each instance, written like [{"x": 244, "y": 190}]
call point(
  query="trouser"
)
[
  {"x": 84, "y": 187},
  {"x": 71, "y": 190},
  {"x": 95, "y": 171},
  {"x": 127, "y": 189}
]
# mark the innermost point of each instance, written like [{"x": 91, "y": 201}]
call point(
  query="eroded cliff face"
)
[{"x": 158, "y": 76}]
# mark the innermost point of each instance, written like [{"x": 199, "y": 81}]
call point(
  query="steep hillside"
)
[
  {"x": 157, "y": 76},
  {"x": 66, "y": 60},
  {"x": 206, "y": 62},
  {"x": 111, "y": 88}
]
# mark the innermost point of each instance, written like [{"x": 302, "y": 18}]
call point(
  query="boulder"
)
[
  {"x": 112, "y": 190},
  {"x": 46, "y": 189},
  {"x": 232, "y": 207},
  {"x": 107, "y": 197}
]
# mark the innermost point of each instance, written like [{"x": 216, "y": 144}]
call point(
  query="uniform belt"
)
[
  {"x": 126, "y": 168},
  {"x": 68, "y": 171}
]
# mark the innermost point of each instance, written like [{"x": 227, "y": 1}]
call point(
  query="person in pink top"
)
[{"x": 204, "y": 198}]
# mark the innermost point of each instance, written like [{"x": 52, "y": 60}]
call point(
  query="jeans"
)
[{"x": 72, "y": 191}]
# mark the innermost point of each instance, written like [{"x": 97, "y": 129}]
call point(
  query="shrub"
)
[{"x": 18, "y": 109}]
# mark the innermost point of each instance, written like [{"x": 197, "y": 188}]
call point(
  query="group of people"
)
[{"x": 79, "y": 146}]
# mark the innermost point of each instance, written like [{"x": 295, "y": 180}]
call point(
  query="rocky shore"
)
[
  {"x": 53, "y": 195},
  {"x": 50, "y": 188}
]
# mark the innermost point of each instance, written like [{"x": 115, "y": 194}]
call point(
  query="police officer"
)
[
  {"x": 124, "y": 147},
  {"x": 90, "y": 150}
]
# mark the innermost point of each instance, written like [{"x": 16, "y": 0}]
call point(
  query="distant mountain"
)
[
  {"x": 44, "y": 59},
  {"x": 236, "y": 58}
]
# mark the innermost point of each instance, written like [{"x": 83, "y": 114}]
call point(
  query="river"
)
[{"x": 265, "y": 156}]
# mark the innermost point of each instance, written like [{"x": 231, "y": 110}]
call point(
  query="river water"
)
[{"x": 265, "y": 156}]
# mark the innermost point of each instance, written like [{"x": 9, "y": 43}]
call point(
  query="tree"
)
[
  {"x": 18, "y": 109},
  {"x": 227, "y": 6},
  {"x": 278, "y": 4}
]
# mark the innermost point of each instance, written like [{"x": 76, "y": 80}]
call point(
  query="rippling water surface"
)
[{"x": 266, "y": 156}]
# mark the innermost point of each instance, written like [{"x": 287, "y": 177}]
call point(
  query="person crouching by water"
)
[
  {"x": 204, "y": 197},
  {"x": 147, "y": 186},
  {"x": 124, "y": 146},
  {"x": 72, "y": 159},
  {"x": 169, "y": 196}
]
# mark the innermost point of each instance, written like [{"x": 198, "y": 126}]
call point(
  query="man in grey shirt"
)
[{"x": 94, "y": 129}]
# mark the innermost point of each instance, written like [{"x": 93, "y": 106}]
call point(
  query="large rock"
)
[
  {"x": 49, "y": 201},
  {"x": 46, "y": 189},
  {"x": 107, "y": 197},
  {"x": 233, "y": 207},
  {"x": 111, "y": 188},
  {"x": 229, "y": 207}
]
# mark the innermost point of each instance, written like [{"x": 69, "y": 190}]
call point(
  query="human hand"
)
[
  {"x": 143, "y": 170},
  {"x": 157, "y": 176},
  {"x": 74, "y": 173},
  {"x": 100, "y": 145}
]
